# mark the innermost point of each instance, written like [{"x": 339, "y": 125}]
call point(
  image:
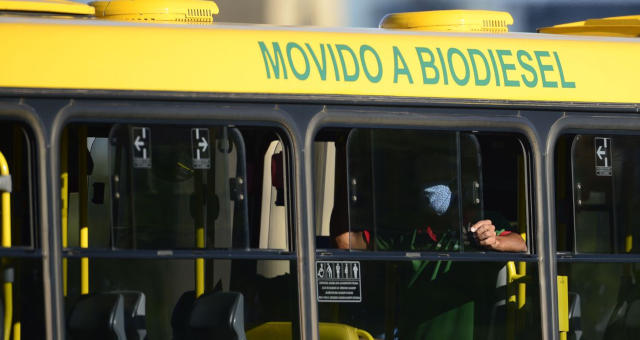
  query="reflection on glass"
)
[
  {"x": 179, "y": 187},
  {"x": 419, "y": 190},
  {"x": 440, "y": 300},
  {"x": 604, "y": 300},
  {"x": 605, "y": 182},
  {"x": 161, "y": 302}
]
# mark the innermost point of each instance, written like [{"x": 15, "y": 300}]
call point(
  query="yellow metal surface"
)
[
  {"x": 624, "y": 26},
  {"x": 181, "y": 11},
  {"x": 8, "y": 309},
  {"x": 64, "y": 196},
  {"x": 199, "y": 263},
  {"x": 6, "y": 205},
  {"x": 84, "y": 206},
  {"x": 328, "y": 331},
  {"x": 46, "y": 6},
  {"x": 84, "y": 262},
  {"x": 563, "y": 304},
  {"x": 450, "y": 20},
  {"x": 227, "y": 59},
  {"x": 17, "y": 331}
]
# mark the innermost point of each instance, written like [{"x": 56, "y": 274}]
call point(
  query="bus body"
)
[{"x": 261, "y": 182}]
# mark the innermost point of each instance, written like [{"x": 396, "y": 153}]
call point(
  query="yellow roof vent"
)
[
  {"x": 46, "y": 6},
  {"x": 626, "y": 26},
  {"x": 450, "y": 21},
  {"x": 164, "y": 11}
]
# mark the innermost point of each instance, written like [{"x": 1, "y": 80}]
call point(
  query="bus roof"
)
[{"x": 87, "y": 55}]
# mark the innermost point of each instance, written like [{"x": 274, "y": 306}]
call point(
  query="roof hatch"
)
[
  {"x": 450, "y": 20},
  {"x": 165, "y": 11},
  {"x": 626, "y": 26}
]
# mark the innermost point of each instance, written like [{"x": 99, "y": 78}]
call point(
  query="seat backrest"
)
[
  {"x": 218, "y": 315},
  {"x": 180, "y": 315},
  {"x": 98, "y": 316},
  {"x": 134, "y": 314}
]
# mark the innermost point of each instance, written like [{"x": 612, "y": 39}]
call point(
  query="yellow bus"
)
[{"x": 166, "y": 176}]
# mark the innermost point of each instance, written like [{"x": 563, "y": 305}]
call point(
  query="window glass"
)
[
  {"x": 420, "y": 192},
  {"x": 440, "y": 300},
  {"x": 172, "y": 187},
  {"x": 596, "y": 180},
  {"x": 596, "y": 200},
  {"x": 603, "y": 299},
  {"x": 158, "y": 218},
  {"x": 16, "y": 147},
  {"x": 238, "y": 300},
  {"x": 417, "y": 190},
  {"x": 22, "y": 298}
]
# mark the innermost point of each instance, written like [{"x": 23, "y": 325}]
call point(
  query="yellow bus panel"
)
[{"x": 99, "y": 55}]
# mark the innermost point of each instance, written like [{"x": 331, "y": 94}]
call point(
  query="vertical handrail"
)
[
  {"x": 563, "y": 306},
  {"x": 83, "y": 193},
  {"x": 6, "y": 243},
  {"x": 201, "y": 220},
  {"x": 64, "y": 196}
]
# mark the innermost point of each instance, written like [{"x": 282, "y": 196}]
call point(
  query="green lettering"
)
[
  {"x": 495, "y": 67},
  {"x": 304, "y": 75},
  {"x": 472, "y": 54},
  {"x": 275, "y": 62},
  {"x": 460, "y": 81},
  {"x": 565, "y": 84},
  {"x": 322, "y": 70},
  {"x": 428, "y": 64},
  {"x": 544, "y": 68},
  {"x": 506, "y": 67},
  {"x": 378, "y": 76},
  {"x": 444, "y": 67},
  {"x": 348, "y": 77},
  {"x": 534, "y": 81},
  {"x": 397, "y": 71},
  {"x": 335, "y": 64}
]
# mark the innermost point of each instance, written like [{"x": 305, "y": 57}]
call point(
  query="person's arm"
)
[
  {"x": 485, "y": 232},
  {"x": 351, "y": 240}
]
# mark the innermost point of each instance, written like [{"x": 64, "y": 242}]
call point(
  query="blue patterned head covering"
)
[{"x": 439, "y": 197}]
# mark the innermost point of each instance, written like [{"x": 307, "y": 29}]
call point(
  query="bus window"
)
[
  {"x": 410, "y": 190},
  {"x": 409, "y": 199},
  {"x": 173, "y": 224},
  {"x": 22, "y": 297},
  {"x": 596, "y": 204}
]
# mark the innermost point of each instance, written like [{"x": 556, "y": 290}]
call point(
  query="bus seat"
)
[
  {"x": 180, "y": 315},
  {"x": 625, "y": 321},
  {"x": 328, "y": 331},
  {"x": 499, "y": 310},
  {"x": 98, "y": 316},
  {"x": 134, "y": 314},
  {"x": 218, "y": 315},
  {"x": 575, "y": 315}
]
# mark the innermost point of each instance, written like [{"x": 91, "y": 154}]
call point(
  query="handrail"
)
[
  {"x": 6, "y": 242},
  {"x": 64, "y": 196},
  {"x": 84, "y": 194},
  {"x": 563, "y": 306},
  {"x": 6, "y": 202}
]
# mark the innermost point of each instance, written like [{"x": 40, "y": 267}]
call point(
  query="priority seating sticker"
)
[{"x": 338, "y": 281}]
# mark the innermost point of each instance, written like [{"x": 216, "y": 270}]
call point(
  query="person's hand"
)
[{"x": 485, "y": 233}]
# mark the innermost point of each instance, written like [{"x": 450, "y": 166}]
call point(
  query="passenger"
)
[{"x": 484, "y": 232}]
